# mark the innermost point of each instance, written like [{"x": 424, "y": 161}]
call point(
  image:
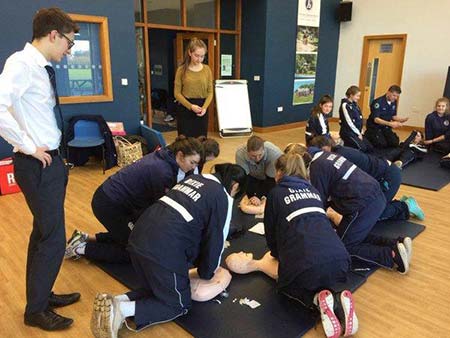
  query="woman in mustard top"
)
[{"x": 194, "y": 91}]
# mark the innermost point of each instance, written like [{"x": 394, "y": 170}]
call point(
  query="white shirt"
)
[{"x": 27, "y": 119}]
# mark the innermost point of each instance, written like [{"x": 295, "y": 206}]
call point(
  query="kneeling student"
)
[
  {"x": 306, "y": 256},
  {"x": 359, "y": 199},
  {"x": 124, "y": 196},
  {"x": 186, "y": 227},
  {"x": 387, "y": 174}
]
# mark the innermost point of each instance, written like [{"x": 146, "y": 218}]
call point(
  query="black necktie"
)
[{"x": 52, "y": 77}]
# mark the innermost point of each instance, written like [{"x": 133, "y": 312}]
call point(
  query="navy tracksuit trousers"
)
[{"x": 354, "y": 231}]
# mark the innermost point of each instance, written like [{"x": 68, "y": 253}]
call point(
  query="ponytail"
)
[
  {"x": 187, "y": 145},
  {"x": 292, "y": 164},
  {"x": 300, "y": 149},
  {"x": 229, "y": 173},
  {"x": 194, "y": 43}
]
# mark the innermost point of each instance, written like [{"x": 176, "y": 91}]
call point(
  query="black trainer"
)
[
  {"x": 48, "y": 321},
  {"x": 401, "y": 258}
]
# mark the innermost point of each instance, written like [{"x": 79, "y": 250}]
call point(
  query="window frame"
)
[{"x": 105, "y": 57}]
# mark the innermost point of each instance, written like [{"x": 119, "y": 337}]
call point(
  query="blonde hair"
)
[
  {"x": 292, "y": 164},
  {"x": 194, "y": 43},
  {"x": 444, "y": 100},
  {"x": 299, "y": 149}
]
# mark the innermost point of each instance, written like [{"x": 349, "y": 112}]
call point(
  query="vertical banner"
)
[{"x": 307, "y": 44}]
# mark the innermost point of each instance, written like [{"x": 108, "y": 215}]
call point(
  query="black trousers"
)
[
  {"x": 382, "y": 137},
  {"x": 354, "y": 231},
  {"x": 189, "y": 124},
  {"x": 442, "y": 147},
  {"x": 164, "y": 295},
  {"x": 110, "y": 246},
  {"x": 44, "y": 190}
]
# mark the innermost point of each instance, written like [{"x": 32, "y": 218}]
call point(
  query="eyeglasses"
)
[{"x": 70, "y": 42}]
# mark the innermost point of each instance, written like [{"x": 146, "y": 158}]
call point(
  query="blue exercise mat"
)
[
  {"x": 426, "y": 173},
  {"x": 277, "y": 316}
]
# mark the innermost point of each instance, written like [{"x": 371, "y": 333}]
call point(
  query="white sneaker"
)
[
  {"x": 107, "y": 318},
  {"x": 407, "y": 242},
  {"x": 330, "y": 322},
  {"x": 419, "y": 147},
  {"x": 350, "y": 318},
  {"x": 77, "y": 240},
  {"x": 168, "y": 118}
]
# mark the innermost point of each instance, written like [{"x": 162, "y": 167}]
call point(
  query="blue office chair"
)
[
  {"x": 153, "y": 137},
  {"x": 87, "y": 135}
]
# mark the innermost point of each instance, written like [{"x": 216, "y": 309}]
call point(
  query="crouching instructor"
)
[{"x": 28, "y": 98}]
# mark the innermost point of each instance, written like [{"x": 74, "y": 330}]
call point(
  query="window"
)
[
  {"x": 85, "y": 75},
  {"x": 201, "y": 13},
  {"x": 167, "y": 12}
]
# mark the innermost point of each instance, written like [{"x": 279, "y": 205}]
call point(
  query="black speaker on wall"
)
[
  {"x": 447, "y": 85},
  {"x": 345, "y": 11}
]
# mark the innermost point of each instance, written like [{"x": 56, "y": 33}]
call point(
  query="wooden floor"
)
[{"x": 388, "y": 304}]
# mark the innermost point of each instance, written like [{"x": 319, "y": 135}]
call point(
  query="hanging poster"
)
[
  {"x": 226, "y": 63},
  {"x": 307, "y": 45}
]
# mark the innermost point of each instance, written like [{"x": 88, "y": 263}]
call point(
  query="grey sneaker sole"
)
[{"x": 101, "y": 317}]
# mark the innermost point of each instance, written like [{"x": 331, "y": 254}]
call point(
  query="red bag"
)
[{"x": 8, "y": 184}]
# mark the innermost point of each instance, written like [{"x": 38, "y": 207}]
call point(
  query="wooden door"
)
[
  {"x": 381, "y": 67},
  {"x": 181, "y": 43}
]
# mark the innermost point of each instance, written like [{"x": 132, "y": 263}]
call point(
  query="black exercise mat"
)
[
  {"x": 426, "y": 173},
  {"x": 277, "y": 316}
]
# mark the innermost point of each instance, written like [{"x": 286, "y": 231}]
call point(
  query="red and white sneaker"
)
[
  {"x": 348, "y": 308},
  {"x": 330, "y": 322}
]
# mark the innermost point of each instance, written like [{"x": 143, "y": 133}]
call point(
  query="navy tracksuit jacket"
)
[
  {"x": 388, "y": 176},
  {"x": 358, "y": 198},
  {"x": 186, "y": 227},
  {"x": 300, "y": 235}
]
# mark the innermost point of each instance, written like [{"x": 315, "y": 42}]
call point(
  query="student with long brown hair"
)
[
  {"x": 351, "y": 121},
  {"x": 193, "y": 90},
  {"x": 123, "y": 197},
  {"x": 318, "y": 122}
]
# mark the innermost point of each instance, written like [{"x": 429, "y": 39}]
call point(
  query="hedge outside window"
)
[{"x": 85, "y": 75}]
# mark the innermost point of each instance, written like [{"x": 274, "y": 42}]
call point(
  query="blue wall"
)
[
  {"x": 269, "y": 30},
  {"x": 253, "y": 48},
  {"x": 16, "y": 30}
]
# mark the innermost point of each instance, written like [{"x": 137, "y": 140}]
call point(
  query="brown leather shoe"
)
[
  {"x": 48, "y": 320},
  {"x": 63, "y": 300}
]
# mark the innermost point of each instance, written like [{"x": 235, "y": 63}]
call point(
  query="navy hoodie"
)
[
  {"x": 347, "y": 188},
  {"x": 140, "y": 184},
  {"x": 350, "y": 117}
]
